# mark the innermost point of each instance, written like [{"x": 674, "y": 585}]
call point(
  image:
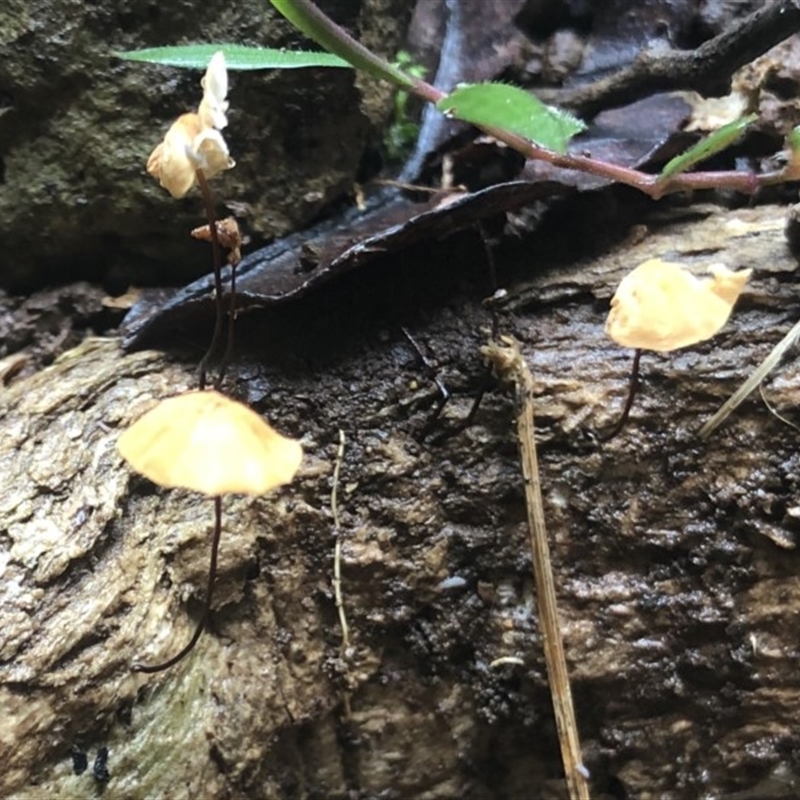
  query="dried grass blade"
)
[{"x": 509, "y": 363}]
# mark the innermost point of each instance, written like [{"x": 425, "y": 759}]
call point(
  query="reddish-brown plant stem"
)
[
  {"x": 652, "y": 185},
  {"x": 309, "y": 19}
]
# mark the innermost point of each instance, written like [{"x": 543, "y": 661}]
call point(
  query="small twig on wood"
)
[
  {"x": 337, "y": 567},
  {"x": 509, "y": 363},
  {"x": 775, "y": 413},
  {"x": 503, "y": 660},
  {"x": 337, "y": 550},
  {"x": 758, "y": 375},
  {"x": 707, "y": 69}
]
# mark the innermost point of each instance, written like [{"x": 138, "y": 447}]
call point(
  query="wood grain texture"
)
[{"x": 676, "y": 561}]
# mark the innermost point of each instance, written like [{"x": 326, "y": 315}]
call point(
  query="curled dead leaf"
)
[{"x": 228, "y": 235}]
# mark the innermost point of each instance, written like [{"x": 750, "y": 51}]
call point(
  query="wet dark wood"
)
[{"x": 676, "y": 561}]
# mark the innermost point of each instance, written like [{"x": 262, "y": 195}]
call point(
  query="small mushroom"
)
[
  {"x": 194, "y": 141},
  {"x": 207, "y": 442},
  {"x": 661, "y": 306}
]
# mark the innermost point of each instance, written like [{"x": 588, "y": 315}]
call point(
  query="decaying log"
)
[{"x": 676, "y": 561}]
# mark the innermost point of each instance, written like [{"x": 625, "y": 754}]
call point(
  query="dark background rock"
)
[{"x": 78, "y": 124}]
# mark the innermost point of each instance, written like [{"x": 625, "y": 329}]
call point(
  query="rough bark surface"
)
[{"x": 675, "y": 559}]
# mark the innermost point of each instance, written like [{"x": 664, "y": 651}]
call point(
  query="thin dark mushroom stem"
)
[
  {"x": 486, "y": 383},
  {"x": 212, "y": 576},
  {"x": 633, "y": 388},
  {"x": 227, "y": 356},
  {"x": 487, "y": 379},
  {"x": 431, "y": 370},
  {"x": 208, "y": 202}
]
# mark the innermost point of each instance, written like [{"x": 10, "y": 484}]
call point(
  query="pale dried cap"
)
[
  {"x": 187, "y": 147},
  {"x": 194, "y": 140},
  {"x": 210, "y": 153},
  {"x": 661, "y": 306},
  {"x": 214, "y": 106},
  {"x": 209, "y": 443},
  {"x": 726, "y": 284},
  {"x": 169, "y": 163}
]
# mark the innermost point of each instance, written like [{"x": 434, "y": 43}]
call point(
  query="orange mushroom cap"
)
[
  {"x": 209, "y": 443},
  {"x": 661, "y": 306}
]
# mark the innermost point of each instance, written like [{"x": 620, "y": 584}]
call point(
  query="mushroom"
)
[
  {"x": 194, "y": 143},
  {"x": 661, "y": 306},
  {"x": 193, "y": 151},
  {"x": 206, "y": 442},
  {"x": 228, "y": 235}
]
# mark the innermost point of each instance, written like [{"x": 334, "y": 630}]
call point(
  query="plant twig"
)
[
  {"x": 755, "y": 378},
  {"x": 309, "y": 19},
  {"x": 306, "y": 17},
  {"x": 509, "y": 363},
  {"x": 706, "y": 69},
  {"x": 337, "y": 566},
  {"x": 337, "y": 551}
]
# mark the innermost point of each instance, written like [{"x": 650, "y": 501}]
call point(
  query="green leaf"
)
[
  {"x": 793, "y": 140},
  {"x": 308, "y": 19},
  {"x": 712, "y": 144},
  {"x": 237, "y": 56},
  {"x": 497, "y": 105}
]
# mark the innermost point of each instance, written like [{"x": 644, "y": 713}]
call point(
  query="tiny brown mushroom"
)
[{"x": 228, "y": 235}]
